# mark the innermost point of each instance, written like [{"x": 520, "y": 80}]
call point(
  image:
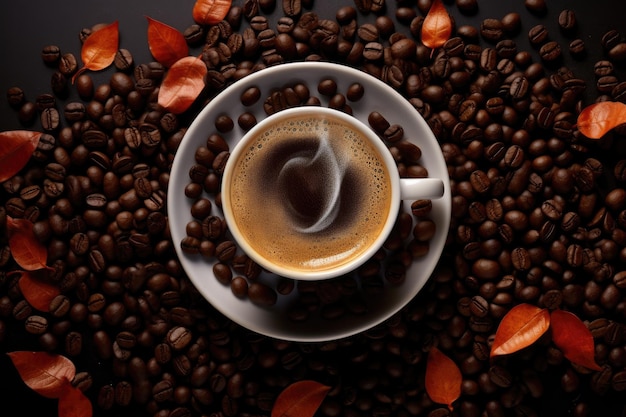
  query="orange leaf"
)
[
  {"x": 210, "y": 12},
  {"x": 26, "y": 249},
  {"x": 99, "y": 49},
  {"x": 36, "y": 291},
  {"x": 573, "y": 338},
  {"x": 519, "y": 328},
  {"x": 182, "y": 84},
  {"x": 300, "y": 399},
  {"x": 47, "y": 374},
  {"x": 73, "y": 403},
  {"x": 16, "y": 147},
  {"x": 443, "y": 378},
  {"x": 167, "y": 45},
  {"x": 437, "y": 26},
  {"x": 597, "y": 119}
]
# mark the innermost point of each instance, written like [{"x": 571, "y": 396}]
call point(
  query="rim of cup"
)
[{"x": 346, "y": 267}]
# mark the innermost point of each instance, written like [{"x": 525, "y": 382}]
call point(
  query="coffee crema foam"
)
[{"x": 310, "y": 193}]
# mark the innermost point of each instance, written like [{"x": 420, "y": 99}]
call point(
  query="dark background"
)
[{"x": 27, "y": 26}]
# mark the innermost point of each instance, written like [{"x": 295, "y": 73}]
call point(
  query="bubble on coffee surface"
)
[{"x": 316, "y": 199}]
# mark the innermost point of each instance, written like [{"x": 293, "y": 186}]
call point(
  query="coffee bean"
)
[
  {"x": 261, "y": 294},
  {"x": 292, "y": 8},
  {"x": 488, "y": 59},
  {"x": 618, "y": 52},
  {"x": 467, "y": 6},
  {"x": 538, "y": 34},
  {"x": 179, "y": 337},
  {"x": 123, "y": 60},
  {"x": 327, "y": 87},
  {"x": 511, "y": 23},
  {"x": 567, "y": 20},
  {"x": 225, "y": 251},
  {"x": 535, "y": 6},
  {"x": 67, "y": 64},
  {"x": 551, "y": 51},
  {"x": 491, "y": 30},
  {"x": 222, "y": 273},
  {"x": 500, "y": 376},
  {"x": 610, "y": 39},
  {"x": 51, "y": 54},
  {"x": 36, "y": 324},
  {"x": 378, "y": 122},
  {"x": 50, "y": 119}
]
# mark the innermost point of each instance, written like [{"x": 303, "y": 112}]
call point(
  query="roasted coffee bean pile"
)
[{"x": 539, "y": 216}]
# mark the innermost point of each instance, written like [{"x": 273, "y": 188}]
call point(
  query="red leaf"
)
[
  {"x": 573, "y": 338},
  {"x": 26, "y": 249},
  {"x": 182, "y": 84},
  {"x": 210, "y": 12},
  {"x": 300, "y": 399},
  {"x": 47, "y": 374},
  {"x": 437, "y": 26},
  {"x": 167, "y": 45},
  {"x": 16, "y": 147},
  {"x": 597, "y": 119},
  {"x": 37, "y": 291},
  {"x": 99, "y": 49},
  {"x": 443, "y": 378},
  {"x": 73, "y": 403},
  {"x": 519, "y": 328}
]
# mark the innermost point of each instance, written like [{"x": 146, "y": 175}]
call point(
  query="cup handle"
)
[{"x": 421, "y": 188}]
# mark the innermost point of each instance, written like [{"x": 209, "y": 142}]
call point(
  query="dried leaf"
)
[
  {"x": 47, "y": 374},
  {"x": 437, "y": 26},
  {"x": 99, "y": 49},
  {"x": 443, "y": 378},
  {"x": 36, "y": 290},
  {"x": 167, "y": 45},
  {"x": 27, "y": 250},
  {"x": 519, "y": 328},
  {"x": 183, "y": 83},
  {"x": 597, "y": 119},
  {"x": 573, "y": 338},
  {"x": 210, "y": 12},
  {"x": 73, "y": 403},
  {"x": 300, "y": 399},
  {"x": 16, "y": 147}
]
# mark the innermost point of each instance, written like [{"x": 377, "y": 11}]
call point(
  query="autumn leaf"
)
[
  {"x": 183, "y": 83},
  {"x": 36, "y": 290},
  {"x": 519, "y": 328},
  {"x": 47, "y": 374},
  {"x": 167, "y": 45},
  {"x": 73, "y": 403},
  {"x": 27, "y": 250},
  {"x": 597, "y": 119},
  {"x": 16, "y": 147},
  {"x": 99, "y": 49},
  {"x": 437, "y": 26},
  {"x": 573, "y": 338},
  {"x": 210, "y": 12},
  {"x": 443, "y": 378},
  {"x": 300, "y": 399}
]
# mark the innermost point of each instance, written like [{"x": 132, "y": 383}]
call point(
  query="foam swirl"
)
[{"x": 313, "y": 187}]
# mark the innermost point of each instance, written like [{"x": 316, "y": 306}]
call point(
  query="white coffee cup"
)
[{"x": 312, "y": 193}]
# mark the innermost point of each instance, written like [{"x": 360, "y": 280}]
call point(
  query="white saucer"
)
[{"x": 273, "y": 321}]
